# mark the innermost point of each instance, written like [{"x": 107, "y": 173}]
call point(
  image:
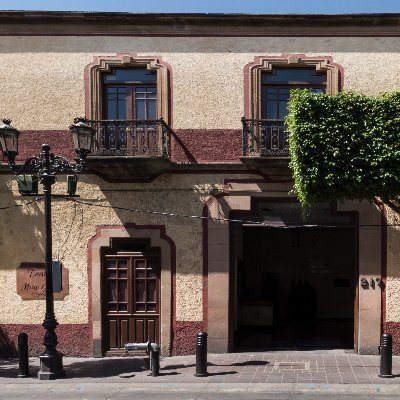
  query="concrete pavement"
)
[{"x": 279, "y": 375}]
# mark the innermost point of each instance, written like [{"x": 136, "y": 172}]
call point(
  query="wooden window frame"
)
[{"x": 104, "y": 64}]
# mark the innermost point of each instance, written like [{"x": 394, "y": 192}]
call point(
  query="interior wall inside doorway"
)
[{"x": 277, "y": 262}]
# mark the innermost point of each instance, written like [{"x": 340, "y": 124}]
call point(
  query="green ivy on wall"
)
[{"x": 344, "y": 146}]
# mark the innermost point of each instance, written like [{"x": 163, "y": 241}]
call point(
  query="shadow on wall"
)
[
  {"x": 21, "y": 230},
  {"x": 74, "y": 339},
  {"x": 8, "y": 347}
]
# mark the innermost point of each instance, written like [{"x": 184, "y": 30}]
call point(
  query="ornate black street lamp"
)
[{"x": 45, "y": 166}]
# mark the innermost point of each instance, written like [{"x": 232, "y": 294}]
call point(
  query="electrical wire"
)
[
  {"x": 27, "y": 203},
  {"x": 199, "y": 217},
  {"x": 259, "y": 223}
]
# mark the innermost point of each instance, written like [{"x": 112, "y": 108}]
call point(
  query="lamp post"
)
[{"x": 45, "y": 166}]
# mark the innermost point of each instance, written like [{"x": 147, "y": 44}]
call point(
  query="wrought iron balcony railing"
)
[
  {"x": 132, "y": 138},
  {"x": 265, "y": 138}
]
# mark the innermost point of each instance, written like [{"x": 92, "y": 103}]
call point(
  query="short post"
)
[
  {"x": 201, "y": 354},
  {"x": 155, "y": 359},
  {"x": 23, "y": 355},
  {"x": 385, "y": 350}
]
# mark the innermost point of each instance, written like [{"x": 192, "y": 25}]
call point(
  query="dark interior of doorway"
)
[{"x": 296, "y": 288}]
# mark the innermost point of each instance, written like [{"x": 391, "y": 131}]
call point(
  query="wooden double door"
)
[{"x": 131, "y": 305}]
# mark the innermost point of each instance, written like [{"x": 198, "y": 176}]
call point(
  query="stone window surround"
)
[
  {"x": 253, "y": 74},
  {"x": 158, "y": 238},
  {"x": 101, "y": 64}
]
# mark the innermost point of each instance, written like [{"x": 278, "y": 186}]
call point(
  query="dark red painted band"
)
[{"x": 74, "y": 339}]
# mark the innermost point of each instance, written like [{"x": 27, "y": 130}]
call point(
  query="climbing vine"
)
[{"x": 345, "y": 146}]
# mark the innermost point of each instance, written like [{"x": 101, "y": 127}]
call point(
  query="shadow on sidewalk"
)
[
  {"x": 9, "y": 368},
  {"x": 238, "y": 364},
  {"x": 103, "y": 368}
]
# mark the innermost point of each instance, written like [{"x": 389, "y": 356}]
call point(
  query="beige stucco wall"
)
[
  {"x": 393, "y": 267},
  {"x": 42, "y": 86},
  {"x": 21, "y": 239}
]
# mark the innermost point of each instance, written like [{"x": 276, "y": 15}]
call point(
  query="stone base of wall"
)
[
  {"x": 394, "y": 329},
  {"x": 74, "y": 339},
  {"x": 185, "y": 337}
]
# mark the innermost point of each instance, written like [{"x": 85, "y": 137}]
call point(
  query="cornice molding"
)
[{"x": 42, "y": 23}]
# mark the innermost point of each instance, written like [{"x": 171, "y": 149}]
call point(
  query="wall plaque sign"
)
[{"x": 31, "y": 281}]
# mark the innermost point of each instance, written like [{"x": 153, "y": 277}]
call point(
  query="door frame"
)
[
  {"x": 157, "y": 236},
  {"x": 247, "y": 212}
]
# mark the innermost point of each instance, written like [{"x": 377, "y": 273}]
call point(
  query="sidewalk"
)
[
  {"x": 333, "y": 371},
  {"x": 319, "y": 367}
]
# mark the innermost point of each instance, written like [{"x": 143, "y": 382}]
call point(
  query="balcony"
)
[
  {"x": 129, "y": 149},
  {"x": 265, "y": 138},
  {"x": 134, "y": 138}
]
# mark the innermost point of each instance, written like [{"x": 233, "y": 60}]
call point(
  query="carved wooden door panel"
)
[{"x": 131, "y": 286}]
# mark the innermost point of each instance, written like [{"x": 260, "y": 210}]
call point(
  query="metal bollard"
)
[
  {"x": 385, "y": 350},
  {"x": 155, "y": 359},
  {"x": 201, "y": 354},
  {"x": 23, "y": 355}
]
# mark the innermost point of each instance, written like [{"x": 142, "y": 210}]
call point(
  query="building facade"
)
[{"x": 185, "y": 219}]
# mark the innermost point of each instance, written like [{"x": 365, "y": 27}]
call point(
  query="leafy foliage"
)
[{"x": 344, "y": 146}]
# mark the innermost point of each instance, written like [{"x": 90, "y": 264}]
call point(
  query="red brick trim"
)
[
  {"x": 30, "y": 143},
  {"x": 74, "y": 339},
  {"x": 185, "y": 339},
  {"x": 394, "y": 329}
]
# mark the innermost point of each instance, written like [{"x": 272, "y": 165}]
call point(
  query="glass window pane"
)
[
  {"x": 122, "y": 291},
  {"x": 284, "y": 93},
  {"x": 151, "y": 290},
  {"x": 112, "y": 291},
  {"x": 151, "y": 274},
  {"x": 112, "y": 307},
  {"x": 140, "y": 109},
  {"x": 111, "y": 110},
  {"x": 141, "y": 75},
  {"x": 294, "y": 76},
  {"x": 111, "y": 263},
  {"x": 123, "y": 273},
  {"x": 272, "y": 110},
  {"x": 140, "y": 290},
  {"x": 121, "y": 109},
  {"x": 122, "y": 263},
  {"x": 112, "y": 273},
  {"x": 151, "y": 109},
  {"x": 151, "y": 307},
  {"x": 283, "y": 111},
  {"x": 123, "y": 307},
  {"x": 140, "y": 274},
  {"x": 140, "y": 264},
  {"x": 140, "y": 307}
]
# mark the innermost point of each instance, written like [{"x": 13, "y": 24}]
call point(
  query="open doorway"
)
[{"x": 295, "y": 279}]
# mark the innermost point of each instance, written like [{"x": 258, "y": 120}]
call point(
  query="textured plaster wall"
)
[
  {"x": 393, "y": 268},
  {"x": 21, "y": 239},
  {"x": 42, "y": 86}
]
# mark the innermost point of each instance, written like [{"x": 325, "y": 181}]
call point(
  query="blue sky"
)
[{"x": 211, "y": 6}]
